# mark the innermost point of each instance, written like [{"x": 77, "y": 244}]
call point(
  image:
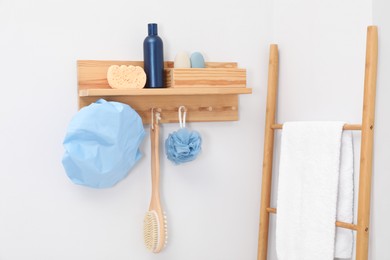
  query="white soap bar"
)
[
  {"x": 126, "y": 77},
  {"x": 182, "y": 60}
]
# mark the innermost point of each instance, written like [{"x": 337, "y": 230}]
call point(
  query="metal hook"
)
[
  {"x": 182, "y": 120},
  {"x": 155, "y": 114}
]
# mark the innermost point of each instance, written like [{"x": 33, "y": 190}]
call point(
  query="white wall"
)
[
  {"x": 212, "y": 204},
  {"x": 380, "y": 209}
]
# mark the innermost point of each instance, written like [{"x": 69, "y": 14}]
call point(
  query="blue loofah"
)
[{"x": 183, "y": 146}]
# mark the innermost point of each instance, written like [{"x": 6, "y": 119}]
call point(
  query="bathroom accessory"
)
[
  {"x": 197, "y": 60},
  {"x": 153, "y": 58},
  {"x": 183, "y": 145},
  {"x": 101, "y": 144},
  {"x": 367, "y": 135},
  {"x": 126, "y": 77},
  {"x": 315, "y": 179},
  {"x": 218, "y": 103},
  {"x": 205, "y": 77},
  {"x": 155, "y": 224},
  {"x": 182, "y": 60}
]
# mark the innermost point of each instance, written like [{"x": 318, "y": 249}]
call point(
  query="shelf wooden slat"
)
[
  {"x": 346, "y": 127},
  {"x": 163, "y": 91},
  {"x": 338, "y": 223}
]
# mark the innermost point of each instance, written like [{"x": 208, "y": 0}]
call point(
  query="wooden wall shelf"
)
[
  {"x": 163, "y": 92},
  {"x": 203, "y": 104}
]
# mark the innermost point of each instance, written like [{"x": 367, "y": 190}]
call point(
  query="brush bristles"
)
[
  {"x": 165, "y": 229},
  {"x": 151, "y": 231}
]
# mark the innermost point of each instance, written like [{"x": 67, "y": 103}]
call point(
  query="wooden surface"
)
[
  {"x": 93, "y": 73},
  {"x": 162, "y": 91},
  {"x": 201, "y": 108},
  {"x": 338, "y": 223},
  {"x": 346, "y": 127},
  {"x": 362, "y": 239},
  {"x": 155, "y": 203},
  {"x": 205, "y": 78},
  {"x": 367, "y": 127},
  {"x": 203, "y": 104},
  {"x": 268, "y": 152}
]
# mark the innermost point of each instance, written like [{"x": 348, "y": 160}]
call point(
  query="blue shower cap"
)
[{"x": 102, "y": 144}]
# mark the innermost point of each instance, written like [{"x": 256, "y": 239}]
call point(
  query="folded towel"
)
[
  {"x": 344, "y": 237},
  {"x": 308, "y": 189}
]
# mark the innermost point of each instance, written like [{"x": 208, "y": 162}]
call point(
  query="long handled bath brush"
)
[{"x": 155, "y": 225}]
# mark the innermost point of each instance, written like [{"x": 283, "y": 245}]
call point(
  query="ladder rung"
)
[
  {"x": 346, "y": 127},
  {"x": 338, "y": 223}
]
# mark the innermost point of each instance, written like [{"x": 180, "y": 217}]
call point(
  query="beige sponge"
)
[{"x": 126, "y": 77}]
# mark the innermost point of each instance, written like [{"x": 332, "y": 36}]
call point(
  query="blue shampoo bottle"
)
[{"x": 153, "y": 58}]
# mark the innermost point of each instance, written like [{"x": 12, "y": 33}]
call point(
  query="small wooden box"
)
[{"x": 205, "y": 77}]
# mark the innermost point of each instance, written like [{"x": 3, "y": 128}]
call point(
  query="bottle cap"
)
[{"x": 152, "y": 29}]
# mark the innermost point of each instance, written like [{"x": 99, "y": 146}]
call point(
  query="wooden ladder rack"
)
[{"x": 367, "y": 128}]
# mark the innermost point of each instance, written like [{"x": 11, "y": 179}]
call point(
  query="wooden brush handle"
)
[
  {"x": 154, "y": 134},
  {"x": 155, "y": 203}
]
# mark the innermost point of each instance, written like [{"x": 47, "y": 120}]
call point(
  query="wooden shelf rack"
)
[{"x": 204, "y": 104}]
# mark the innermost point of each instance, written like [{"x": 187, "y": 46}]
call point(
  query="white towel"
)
[{"x": 308, "y": 189}]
